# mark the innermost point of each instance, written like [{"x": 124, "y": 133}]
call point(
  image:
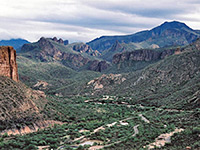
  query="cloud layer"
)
[{"x": 84, "y": 20}]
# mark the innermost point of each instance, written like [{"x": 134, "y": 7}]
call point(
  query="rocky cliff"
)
[
  {"x": 152, "y": 54},
  {"x": 8, "y": 65},
  {"x": 142, "y": 55}
]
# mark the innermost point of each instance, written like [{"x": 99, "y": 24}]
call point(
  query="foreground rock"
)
[
  {"x": 32, "y": 128},
  {"x": 8, "y": 65}
]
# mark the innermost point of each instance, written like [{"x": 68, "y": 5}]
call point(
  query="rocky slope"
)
[
  {"x": 105, "y": 81},
  {"x": 8, "y": 65},
  {"x": 19, "y": 105},
  {"x": 167, "y": 34},
  {"x": 21, "y": 108}
]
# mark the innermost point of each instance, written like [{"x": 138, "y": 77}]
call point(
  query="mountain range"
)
[
  {"x": 50, "y": 60},
  {"x": 167, "y": 34}
]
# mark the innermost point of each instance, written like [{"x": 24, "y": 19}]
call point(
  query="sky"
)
[{"x": 84, "y": 20}]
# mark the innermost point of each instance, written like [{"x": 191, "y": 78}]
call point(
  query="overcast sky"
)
[{"x": 84, "y": 20}]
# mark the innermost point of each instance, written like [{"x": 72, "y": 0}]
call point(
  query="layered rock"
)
[
  {"x": 8, "y": 65},
  {"x": 142, "y": 55}
]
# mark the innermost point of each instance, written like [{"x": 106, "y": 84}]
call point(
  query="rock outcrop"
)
[
  {"x": 41, "y": 124},
  {"x": 84, "y": 48},
  {"x": 8, "y": 65},
  {"x": 60, "y": 41},
  {"x": 98, "y": 65},
  {"x": 142, "y": 55},
  {"x": 106, "y": 81}
]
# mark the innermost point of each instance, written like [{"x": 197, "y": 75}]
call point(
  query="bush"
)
[
  {"x": 196, "y": 130},
  {"x": 30, "y": 147}
]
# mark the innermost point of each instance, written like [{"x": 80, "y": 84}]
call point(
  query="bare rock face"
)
[
  {"x": 142, "y": 55},
  {"x": 8, "y": 65}
]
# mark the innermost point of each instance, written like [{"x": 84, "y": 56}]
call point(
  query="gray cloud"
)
[{"x": 83, "y": 20}]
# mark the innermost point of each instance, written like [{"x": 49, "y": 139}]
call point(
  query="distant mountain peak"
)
[
  {"x": 173, "y": 24},
  {"x": 173, "y": 33},
  {"x": 16, "y": 43}
]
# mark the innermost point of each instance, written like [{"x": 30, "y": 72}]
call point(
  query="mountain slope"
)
[
  {"x": 172, "y": 82},
  {"x": 71, "y": 55},
  {"x": 167, "y": 34},
  {"x": 20, "y": 107},
  {"x": 58, "y": 78},
  {"x": 16, "y": 43},
  {"x": 116, "y": 48}
]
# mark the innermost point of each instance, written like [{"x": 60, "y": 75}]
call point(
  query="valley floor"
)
[{"x": 111, "y": 123}]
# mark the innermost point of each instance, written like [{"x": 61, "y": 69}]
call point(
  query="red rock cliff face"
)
[{"x": 8, "y": 65}]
